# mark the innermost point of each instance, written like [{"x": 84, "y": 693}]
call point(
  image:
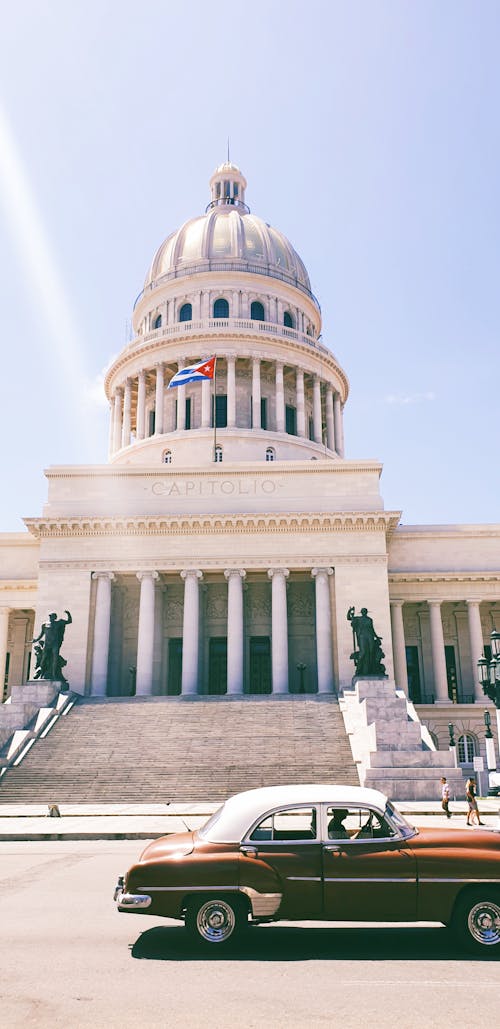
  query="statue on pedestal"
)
[
  {"x": 47, "y": 645},
  {"x": 368, "y": 653}
]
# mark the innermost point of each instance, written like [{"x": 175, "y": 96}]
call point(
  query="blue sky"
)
[{"x": 368, "y": 132}]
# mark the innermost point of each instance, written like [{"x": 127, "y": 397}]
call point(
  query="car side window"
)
[
  {"x": 357, "y": 824},
  {"x": 288, "y": 824}
]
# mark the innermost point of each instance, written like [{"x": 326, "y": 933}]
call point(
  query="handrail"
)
[{"x": 242, "y": 265}]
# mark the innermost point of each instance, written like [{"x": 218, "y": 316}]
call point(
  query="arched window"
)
[
  {"x": 167, "y": 457},
  {"x": 310, "y": 330},
  {"x": 218, "y": 454},
  {"x": 466, "y": 749},
  {"x": 270, "y": 454},
  {"x": 157, "y": 322},
  {"x": 288, "y": 320},
  {"x": 186, "y": 313},
  {"x": 221, "y": 308},
  {"x": 257, "y": 311}
]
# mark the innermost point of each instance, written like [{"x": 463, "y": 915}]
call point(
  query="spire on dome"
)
[{"x": 227, "y": 185}]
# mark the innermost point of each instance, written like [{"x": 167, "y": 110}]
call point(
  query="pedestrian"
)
[
  {"x": 445, "y": 797},
  {"x": 472, "y": 808}
]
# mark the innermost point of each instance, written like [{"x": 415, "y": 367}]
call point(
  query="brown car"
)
[{"x": 318, "y": 852}]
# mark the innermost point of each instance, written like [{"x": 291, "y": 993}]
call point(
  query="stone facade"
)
[{"x": 200, "y": 560}]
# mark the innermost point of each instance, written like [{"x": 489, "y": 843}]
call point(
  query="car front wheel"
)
[
  {"x": 215, "y": 919},
  {"x": 477, "y": 921}
]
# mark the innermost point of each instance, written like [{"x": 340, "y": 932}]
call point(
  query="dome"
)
[{"x": 228, "y": 237}]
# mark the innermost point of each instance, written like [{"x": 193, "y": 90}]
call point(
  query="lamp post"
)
[
  {"x": 453, "y": 746},
  {"x": 489, "y": 678}
]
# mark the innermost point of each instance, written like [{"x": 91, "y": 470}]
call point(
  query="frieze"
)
[{"x": 215, "y": 487}]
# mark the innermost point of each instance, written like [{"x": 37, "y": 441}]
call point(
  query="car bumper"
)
[{"x": 130, "y": 901}]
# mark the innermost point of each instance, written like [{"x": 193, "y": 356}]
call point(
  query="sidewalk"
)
[{"x": 147, "y": 821}]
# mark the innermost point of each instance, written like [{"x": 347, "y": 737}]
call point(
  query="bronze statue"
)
[
  {"x": 368, "y": 653},
  {"x": 47, "y": 645}
]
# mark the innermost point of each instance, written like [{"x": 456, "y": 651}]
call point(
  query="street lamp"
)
[
  {"x": 453, "y": 746},
  {"x": 489, "y": 678}
]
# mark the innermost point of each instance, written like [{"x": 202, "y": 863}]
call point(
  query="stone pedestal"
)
[{"x": 25, "y": 702}]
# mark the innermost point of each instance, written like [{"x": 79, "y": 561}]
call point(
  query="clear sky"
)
[{"x": 368, "y": 133}]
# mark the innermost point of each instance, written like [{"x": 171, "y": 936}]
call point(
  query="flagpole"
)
[{"x": 215, "y": 410}]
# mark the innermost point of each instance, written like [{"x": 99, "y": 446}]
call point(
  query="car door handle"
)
[
  {"x": 249, "y": 851},
  {"x": 334, "y": 848}
]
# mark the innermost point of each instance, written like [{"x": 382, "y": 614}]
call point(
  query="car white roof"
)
[{"x": 240, "y": 812}]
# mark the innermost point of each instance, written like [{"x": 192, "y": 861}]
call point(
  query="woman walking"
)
[{"x": 472, "y": 808}]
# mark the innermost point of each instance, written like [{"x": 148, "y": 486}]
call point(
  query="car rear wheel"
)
[
  {"x": 476, "y": 921},
  {"x": 215, "y": 919}
]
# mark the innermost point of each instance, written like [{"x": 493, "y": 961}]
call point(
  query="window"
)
[
  {"x": 186, "y": 313},
  {"x": 270, "y": 454},
  {"x": 188, "y": 413},
  {"x": 235, "y": 189},
  {"x": 218, "y": 454},
  {"x": 413, "y": 672},
  {"x": 157, "y": 322},
  {"x": 288, "y": 320},
  {"x": 221, "y": 308},
  {"x": 294, "y": 824},
  {"x": 290, "y": 420},
  {"x": 311, "y": 429},
  {"x": 151, "y": 423},
  {"x": 221, "y": 411},
  {"x": 217, "y": 189},
  {"x": 356, "y": 824},
  {"x": 263, "y": 412},
  {"x": 466, "y": 749},
  {"x": 167, "y": 457},
  {"x": 227, "y": 189},
  {"x": 257, "y": 311}
]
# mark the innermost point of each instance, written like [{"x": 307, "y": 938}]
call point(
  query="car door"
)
[
  {"x": 369, "y": 870},
  {"x": 287, "y": 844}
]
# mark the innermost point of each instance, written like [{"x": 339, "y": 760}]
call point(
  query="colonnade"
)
[
  {"x": 192, "y": 579},
  {"x": 322, "y": 392},
  {"x": 437, "y": 643}
]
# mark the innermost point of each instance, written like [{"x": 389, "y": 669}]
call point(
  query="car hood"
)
[
  {"x": 176, "y": 845},
  {"x": 445, "y": 838}
]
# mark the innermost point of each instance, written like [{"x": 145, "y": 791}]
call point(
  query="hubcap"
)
[
  {"x": 215, "y": 921},
  {"x": 484, "y": 922}
]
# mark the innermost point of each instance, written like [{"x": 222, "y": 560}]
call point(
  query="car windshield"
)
[
  {"x": 204, "y": 830},
  {"x": 399, "y": 822}
]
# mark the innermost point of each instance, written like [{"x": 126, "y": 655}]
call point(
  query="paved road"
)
[{"x": 70, "y": 960}]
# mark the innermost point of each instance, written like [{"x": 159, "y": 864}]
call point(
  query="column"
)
[
  {"x": 476, "y": 646},
  {"x": 102, "y": 626},
  {"x": 111, "y": 433},
  {"x": 300, "y": 401},
  {"x": 127, "y": 408},
  {"x": 4, "y": 642},
  {"x": 324, "y": 638},
  {"x": 235, "y": 635},
  {"x": 337, "y": 420},
  {"x": 145, "y": 639},
  {"x": 206, "y": 403},
  {"x": 231, "y": 392},
  {"x": 398, "y": 645},
  {"x": 280, "y": 398},
  {"x": 317, "y": 421},
  {"x": 141, "y": 405},
  {"x": 256, "y": 412},
  {"x": 437, "y": 649},
  {"x": 160, "y": 389},
  {"x": 181, "y": 402},
  {"x": 330, "y": 424},
  {"x": 117, "y": 420},
  {"x": 279, "y": 629},
  {"x": 190, "y": 630}
]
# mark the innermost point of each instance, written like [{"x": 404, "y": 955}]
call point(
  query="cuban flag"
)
[{"x": 195, "y": 373}]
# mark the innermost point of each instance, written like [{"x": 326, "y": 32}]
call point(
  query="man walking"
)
[{"x": 445, "y": 797}]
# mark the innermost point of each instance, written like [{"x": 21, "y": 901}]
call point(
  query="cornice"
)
[
  {"x": 466, "y": 576},
  {"x": 213, "y": 524},
  {"x": 280, "y": 469},
  {"x": 18, "y": 584}
]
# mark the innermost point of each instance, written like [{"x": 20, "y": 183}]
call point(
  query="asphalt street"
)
[{"x": 70, "y": 960}]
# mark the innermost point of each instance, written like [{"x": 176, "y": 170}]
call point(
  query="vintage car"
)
[{"x": 318, "y": 852}]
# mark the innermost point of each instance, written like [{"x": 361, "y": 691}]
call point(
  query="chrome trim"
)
[
  {"x": 449, "y": 879},
  {"x": 196, "y": 889},
  {"x": 483, "y": 923},
  {"x": 304, "y": 878},
  {"x": 133, "y": 901},
  {"x": 263, "y": 904},
  {"x": 366, "y": 879}
]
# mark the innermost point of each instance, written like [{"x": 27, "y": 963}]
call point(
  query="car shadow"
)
[{"x": 298, "y": 943}]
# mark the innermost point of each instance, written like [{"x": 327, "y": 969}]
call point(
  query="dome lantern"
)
[{"x": 227, "y": 186}]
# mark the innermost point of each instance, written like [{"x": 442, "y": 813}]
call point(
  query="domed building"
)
[{"x": 218, "y": 552}]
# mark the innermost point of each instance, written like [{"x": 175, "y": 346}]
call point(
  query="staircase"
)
[{"x": 159, "y": 749}]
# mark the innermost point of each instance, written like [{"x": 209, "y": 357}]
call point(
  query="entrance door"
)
[
  {"x": 260, "y": 665},
  {"x": 217, "y": 665},
  {"x": 370, "y": 873},
  {"x": 174, "y": 681}
]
